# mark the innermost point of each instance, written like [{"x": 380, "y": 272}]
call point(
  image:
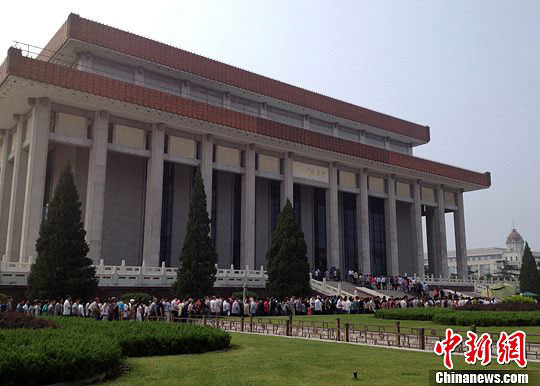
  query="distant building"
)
[{"x": 489, "y": 261}]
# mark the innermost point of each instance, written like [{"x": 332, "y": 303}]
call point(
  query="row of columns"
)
[
  {"x": 22, "y": 182},
  {"x": 25, "y": 177}
]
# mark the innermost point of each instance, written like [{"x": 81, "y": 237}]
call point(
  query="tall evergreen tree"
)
[
  {"x": 197, "y": 271},
  {"x": 529, "y": 278},
  {"x": 62, "y": 267},
  {"x": 288, "y": 267}
]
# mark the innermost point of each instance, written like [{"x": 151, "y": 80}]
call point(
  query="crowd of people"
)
[
  {"x": 212, "y": 306},
  {"x": 403, "y": 283}
]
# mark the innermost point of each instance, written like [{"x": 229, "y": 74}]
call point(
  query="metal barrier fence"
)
[{"x": 394, "y": 335}]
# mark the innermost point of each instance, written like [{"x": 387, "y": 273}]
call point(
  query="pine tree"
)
[
  {"x": 288, "y": 267},
  {"x": 62, "y": 267},
  {"x": 529, "y": 278},
  {"x": 197, "y": 271}
]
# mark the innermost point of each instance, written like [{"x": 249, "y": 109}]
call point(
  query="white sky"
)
[{"x": 469, "y": 70}]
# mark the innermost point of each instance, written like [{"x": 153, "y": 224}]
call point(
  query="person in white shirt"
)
[
  {"x": 75, "y": 308},
  {"x": 213, "y": 305},
  {"x": 235, "y": 309},
  {"x": 226, "y": 308},
  {"x": 80, "y": 310},
  {"x": 339, "y": 305},
  {"x": 67, "y": 307},
  {"x": 174, "y": 309},
  {"x": 318, "y": 306},
  {"x": 347, "y": 306}
]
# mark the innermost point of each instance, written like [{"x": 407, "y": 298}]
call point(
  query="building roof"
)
[
  {"x": 514, "y": 237},
  {"x": 127, "y": 43},
  {"x": 57, "y": 75},
  {"x": 479, "y": 252}
]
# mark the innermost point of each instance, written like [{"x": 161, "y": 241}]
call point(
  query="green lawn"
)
[{"x": 266, "y": 360}]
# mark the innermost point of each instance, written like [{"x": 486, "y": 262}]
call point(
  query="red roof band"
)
[
  {"x": 69, "y": 78},
  {"x": 114, "y": 39}
]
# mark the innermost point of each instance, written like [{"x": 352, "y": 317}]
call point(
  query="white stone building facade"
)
[{"x": 135, "y": 118}]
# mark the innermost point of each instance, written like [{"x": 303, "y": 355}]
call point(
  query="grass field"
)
[{"x": 265, "y": 360}]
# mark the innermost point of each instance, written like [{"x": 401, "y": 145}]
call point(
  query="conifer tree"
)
[
  {"x": 288, "y": 267},
  {"x": 62, "y": 267},
  {"x": 197, "y": 270},
  {"x": 529, "y": 278}
]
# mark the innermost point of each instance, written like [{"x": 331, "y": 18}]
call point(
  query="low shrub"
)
[
  {"x": 501, "y": 307},
  {"x": 3, "y": 298},
  {"x": 82, "y": 348},
  {"x": 519, "y": 299},
  {"x": 486, "y": 319},
  {"x": 138, "y": 296},
  {"x": 417, "y": 313},
  {"x": 19, "y": 320}
]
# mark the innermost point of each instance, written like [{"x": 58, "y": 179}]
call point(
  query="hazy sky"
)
[{"x": 468, "y": 69}]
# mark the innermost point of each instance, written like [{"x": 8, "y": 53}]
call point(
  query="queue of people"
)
[{"x": 110, "y": 309}]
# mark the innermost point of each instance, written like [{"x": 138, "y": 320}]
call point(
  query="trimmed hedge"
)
[
  {"x": 138, "y": 296},
  {"x": 19, "y": 320},
  {"x": 417, "y": 313},
  {"x": 82, "y": 348},
  {"x": 519, "y": 299},
  {"x": 501, "y": 307},
  {"x": 448, "y": 316},
  {"x": 486, "y": 319}
]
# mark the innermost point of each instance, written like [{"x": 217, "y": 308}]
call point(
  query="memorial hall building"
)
[{"x": 135, "y": 118}]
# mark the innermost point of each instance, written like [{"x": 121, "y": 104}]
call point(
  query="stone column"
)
[
  {"x": 287, "y": 185},
  {"x": 13, "y": 234},
  {"x": 86, "y": 62},
  {"x": 263, "y": 112},
  {"x": 247, "y": 253},
  {"x": 95, "y": 191},
  {"x": 154, "y": 195},
  {"x": 138, "y": 76},
  {"x": 391, "y": 228},
  {"x": 227, "y": 100},
  {"x": 461, "y": 245},
  {"x": 184, "y": 88},
  {"x": 418, "y": 242},
  {"x": 333, "y": 250},
  {"x": 207, "y": 160},
  {"x": 362, "y": 137},
  {"x": 440, "y": 235},
  {"x": 38, "y": 137},
  {"x": 307, "y": 122},
  {"x": 362, "y": 221},
  {"x": 431, "y": 242},
  {"x": 6, "y": 173}
]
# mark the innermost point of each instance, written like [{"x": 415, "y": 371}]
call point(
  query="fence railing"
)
[{"x": 394, "y": 335}]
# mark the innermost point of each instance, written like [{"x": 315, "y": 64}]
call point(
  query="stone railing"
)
[
  {"x": 16, "y": 273},
  {"x": 326, "y": 289},
  {"x": 477, "y": 284}
]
